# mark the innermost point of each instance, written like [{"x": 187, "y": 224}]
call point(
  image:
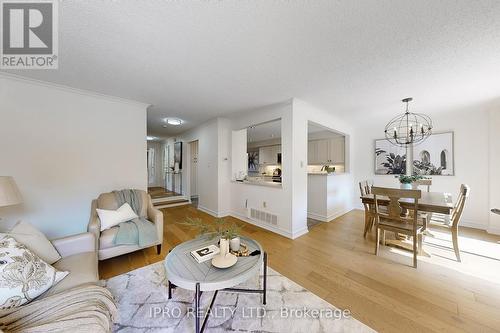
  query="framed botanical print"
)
[{"x": 389, "y": 159}]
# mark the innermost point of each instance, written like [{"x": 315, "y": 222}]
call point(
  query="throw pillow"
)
[
  {"x": 110, "y": 218},
  {"x": 23, "y": 275},
  {"x": 36, "y": 241}
]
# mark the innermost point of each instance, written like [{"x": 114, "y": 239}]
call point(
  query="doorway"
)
[{"x": 194, "y": 188}]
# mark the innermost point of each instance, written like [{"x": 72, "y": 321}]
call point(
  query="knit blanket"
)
[
  {"x": 139, "y": 231},
  {"x": 83, "y": 309}
]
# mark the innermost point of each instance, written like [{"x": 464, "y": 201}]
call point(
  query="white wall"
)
[
  {"x": 208, "y": 168},
  {"x": 494, "y": 164},
  {"x": 273, "y": 200},
  {"x": 64, "y": 147},
  {"x": 471, "y": 159},
  {"x": 303, "y": 113}
]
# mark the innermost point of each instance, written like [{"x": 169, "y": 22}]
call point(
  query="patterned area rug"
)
[{"x": 144, "y": 306}]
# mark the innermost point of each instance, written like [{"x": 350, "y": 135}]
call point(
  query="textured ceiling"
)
[{"x": 199, "y": 59}]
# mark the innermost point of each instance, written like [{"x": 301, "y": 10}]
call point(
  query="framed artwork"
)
[
  {"x": 389, "y": 159},
  {"x": 253, "y": 161},
  {"x": 178, "y": 154},
  {"x": 435, "y": 156}
]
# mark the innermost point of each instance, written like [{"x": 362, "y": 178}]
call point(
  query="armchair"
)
[{"x": 104, "y": 240}]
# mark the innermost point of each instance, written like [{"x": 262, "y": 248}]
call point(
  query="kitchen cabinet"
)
[
  {"x": 326, "y": 151},
  {"x": 269, "y": 154}
]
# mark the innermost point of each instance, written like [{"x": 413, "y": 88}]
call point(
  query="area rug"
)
[{"x": 144, "y": 306}]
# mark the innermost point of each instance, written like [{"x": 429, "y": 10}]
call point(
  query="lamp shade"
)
[{"x": 9, "y": 193}]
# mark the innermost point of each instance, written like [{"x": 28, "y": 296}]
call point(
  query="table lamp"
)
[{"x": 9, "y": 193}]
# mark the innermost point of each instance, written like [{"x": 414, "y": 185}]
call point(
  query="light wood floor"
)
[{"x": 336, "y": 263}]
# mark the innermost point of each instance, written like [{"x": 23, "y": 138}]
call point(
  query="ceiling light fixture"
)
[
  {"x": 173, "y": 121},
  {"x": 409, "y": 128},
  {"x": 151, "y": 138}
]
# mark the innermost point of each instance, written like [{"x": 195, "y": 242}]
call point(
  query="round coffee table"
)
[{"x": 185, "y": 272}]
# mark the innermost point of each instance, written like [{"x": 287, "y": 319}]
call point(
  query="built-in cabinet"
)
[
  {"x": 326, "y": 151},
  {"x": 269, "y": 154}
]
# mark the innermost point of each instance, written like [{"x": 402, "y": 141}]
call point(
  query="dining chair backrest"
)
[
  {"x": 365, "y": 187},
  {"x": 456, "y": 215},
  {"x": 425, "y": 182},
  {"x": 394, "y": 209}
]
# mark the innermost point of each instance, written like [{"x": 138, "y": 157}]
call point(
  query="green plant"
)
[
  {"x": 427, "y": 168},
  {"x": 220, "y": 228},
  {"x": 395, "y": 164},
  {"x": 404, "y": 179}
]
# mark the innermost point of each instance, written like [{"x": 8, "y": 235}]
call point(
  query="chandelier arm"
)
[{"x": 412, "y": 127}]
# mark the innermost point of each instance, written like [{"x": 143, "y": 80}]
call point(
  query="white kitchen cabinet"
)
[
  {"x": 337, "y": 150},
  {"x": 326, "y": 151},
  {"x": 269, "y": 155},
  {"x": 312, "y": 153}
]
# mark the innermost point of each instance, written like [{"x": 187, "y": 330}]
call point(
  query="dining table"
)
[{"x": 430, "y": 202}]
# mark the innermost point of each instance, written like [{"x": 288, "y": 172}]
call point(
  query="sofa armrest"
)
[
  {"x": 94, "y": 226},
  {"x": 156, "y": 216},
  {"x": 80, "y": 243}
]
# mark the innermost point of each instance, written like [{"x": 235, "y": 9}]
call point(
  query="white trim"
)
[
  {"x": 300, "y": 233},
  {"x": 494, "y": 231},
  {"x": 328, "y": 218},
  {"x": 261, "y": 225},
  {"x": 73, "y": 90},
  {"x": 208, "y": 211},
  {"x": 471, "y": 224}
]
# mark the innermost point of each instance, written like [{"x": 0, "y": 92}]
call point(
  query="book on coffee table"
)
[{"x": 205, "y": 253}]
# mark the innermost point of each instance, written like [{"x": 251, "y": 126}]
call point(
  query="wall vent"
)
[{"x": 263, "y": 216}]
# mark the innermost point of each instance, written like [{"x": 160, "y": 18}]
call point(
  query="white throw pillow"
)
[
  {"x": 110, "y": 218},
  {"x": 23, "y": 275}
]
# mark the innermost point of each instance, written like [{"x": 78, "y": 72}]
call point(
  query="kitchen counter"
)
[
  {"x": 324, "y": 173},
  {"x": 258, "y": 183}
]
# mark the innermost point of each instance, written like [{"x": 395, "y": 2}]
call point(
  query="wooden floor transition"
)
[{"x": 337, "y": 264}]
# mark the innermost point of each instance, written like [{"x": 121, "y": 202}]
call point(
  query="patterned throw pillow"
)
[{"x": 23, "y": 275}]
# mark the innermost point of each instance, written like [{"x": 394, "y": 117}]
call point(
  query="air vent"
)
[{"x": 263, "y": 216}]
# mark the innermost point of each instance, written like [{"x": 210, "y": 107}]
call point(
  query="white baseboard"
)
[
  {"x": 471, "y": 224},
  {"x": 212, "y": 212},
  {"x": 324, "y": 218},
  {"x": 261, "y": 225},
  {"x": 208, "y": 211},
  {"x": 300, "y": 233},
  {"x": 494, "y": 231}
]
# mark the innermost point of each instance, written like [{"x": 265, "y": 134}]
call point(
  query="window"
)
[
  {"x": 425, "y": 157},
  {"x": 444, "y": 158}
]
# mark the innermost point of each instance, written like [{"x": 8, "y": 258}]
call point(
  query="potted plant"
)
[
  {"x": 407, "y": 182},
  {"x": 228, "y": 233}
]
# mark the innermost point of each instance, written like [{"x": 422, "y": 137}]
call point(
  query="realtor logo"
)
[{"x": 29, "y": 34}]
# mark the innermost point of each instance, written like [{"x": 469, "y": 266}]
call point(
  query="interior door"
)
[{"x": 194, "y": 169}]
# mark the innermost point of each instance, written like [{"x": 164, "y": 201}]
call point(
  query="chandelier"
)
[{"x": 409, "y": 128}]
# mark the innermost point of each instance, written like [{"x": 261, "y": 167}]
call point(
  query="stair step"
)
[
  {"x": 171, "y": 202},
  {"x": 168, "y": 199}
]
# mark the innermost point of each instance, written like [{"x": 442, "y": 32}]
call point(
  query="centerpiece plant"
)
[{"x": 220, "y": 228}]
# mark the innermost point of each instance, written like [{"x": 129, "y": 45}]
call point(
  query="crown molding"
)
[{"x": 73, "y": 90}]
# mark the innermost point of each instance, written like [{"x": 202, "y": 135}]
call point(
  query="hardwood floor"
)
[{"x": 335, "y": 262}]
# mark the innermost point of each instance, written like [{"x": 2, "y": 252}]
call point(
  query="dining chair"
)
[
  {"x": 393, "y": 220},
  {"x": 456, "y": 216},
  {"x": 365, "y": 187},
  {"x": 424, "y": 182}
]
